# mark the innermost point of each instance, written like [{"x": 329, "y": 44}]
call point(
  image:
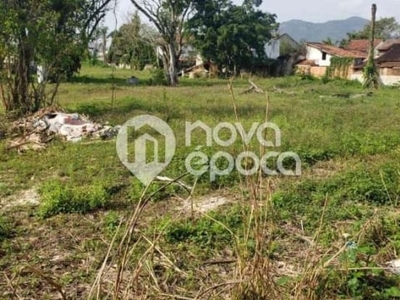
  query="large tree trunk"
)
[
  {"x": 169, "y": 18},
  {"x": 173, "y": 66},
  {"x": 21, "y": 98}
]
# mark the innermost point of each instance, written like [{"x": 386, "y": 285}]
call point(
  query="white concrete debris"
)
[
  {"x": 71, "y": 126},
  {"x": 394, "y": 266},
  {"x": 205, "y": 204},
  {"x": 36, "y": 131}
]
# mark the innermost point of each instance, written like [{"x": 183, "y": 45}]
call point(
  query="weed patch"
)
[
  {"x": 207, "y": 231},
  {"x": 58, "y": 197},
  {"x": 5, "y": 229},
  {"x": 248, "y": 249}
]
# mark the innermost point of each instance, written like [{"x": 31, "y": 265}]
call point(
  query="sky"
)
[{"x": 306, "y": 10}]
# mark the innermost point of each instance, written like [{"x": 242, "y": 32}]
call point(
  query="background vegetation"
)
[{"x": 327, "y": 234}]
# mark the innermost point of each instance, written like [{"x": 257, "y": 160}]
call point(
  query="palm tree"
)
[{"x": 328, "y": 41}]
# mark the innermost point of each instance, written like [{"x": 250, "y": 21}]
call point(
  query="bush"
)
[
  {"x": 306, "y": 76},
  {"x": 204, "y": 231},
  {"x": 324, "y": 79},
  {"x": 111, "y": 221},
  {"x": 57, "y": 198},
  {"x": 157, "y": 77},
  {"x": 5, "y": 230}
]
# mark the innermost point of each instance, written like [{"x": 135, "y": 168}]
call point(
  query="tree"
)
[
  {"x": 328, "y": 41},
  {"x": 133, "y": 44},
  {"x": 256, "y": 3},
  {"x": 169, "y": 17},
  {"x": 232, "y": 36},
  {"x": 385, "y": 28},
  {"x": 51, "y": 33}
]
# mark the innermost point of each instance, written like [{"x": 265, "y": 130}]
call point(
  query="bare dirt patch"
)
[
  {"x": 205, "y": 204},
  {"x": 28, "y": 197}
]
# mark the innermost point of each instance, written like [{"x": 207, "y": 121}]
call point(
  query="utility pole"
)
[
  {"x": 371, "y": 74},
  {"x": 372, "y": 33}
]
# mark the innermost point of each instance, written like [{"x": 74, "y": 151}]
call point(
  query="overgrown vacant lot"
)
[{"x": 76, "y": 224}]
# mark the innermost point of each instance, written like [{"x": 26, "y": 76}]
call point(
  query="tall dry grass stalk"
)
[
  {"x": 125, "y": 279},
  {"x": 254, "y": 270},
  {"x": 254, "y": 273}
]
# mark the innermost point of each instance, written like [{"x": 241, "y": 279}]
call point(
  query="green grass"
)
[
  {"x": 58, "y": 197},
  {"x": 349, "y": 149},
  {"x": 5, "y": 230}
]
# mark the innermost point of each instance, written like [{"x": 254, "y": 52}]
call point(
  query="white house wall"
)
[
  {"x": 315, "y": 54},
  {"x": 385, "y": 79},
  {"x": 273, "y": 48},
  {"x": 390, "y": 79}
]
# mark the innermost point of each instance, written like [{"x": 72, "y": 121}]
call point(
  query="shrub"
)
[
  {"x": 111, "y": 221},
  {"x": 306, "y": 76},
  {"x": 5, "y": 229},
  {"x": 206, "y": 231},
  {"x": 157, "y": 77},
  {"x": 57, "y": 198}
]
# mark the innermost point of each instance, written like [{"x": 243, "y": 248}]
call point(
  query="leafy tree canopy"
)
[
  {"x": 168, "y": 17},
  {"x": 50, "y": 33},
  {"x": 232, "y": 36},
  {"x": 385, "y": 28},
  {"x": 133, "y": 44}
]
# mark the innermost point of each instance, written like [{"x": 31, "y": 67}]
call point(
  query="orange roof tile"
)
[
  {"x": 388, "y": 44},
  {"x": 336, "y": 51},
  {"x": 361, "y": 45},
  {"x": 391, "y": 58}
]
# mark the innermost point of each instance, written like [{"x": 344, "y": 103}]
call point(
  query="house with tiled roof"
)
[
  {"x": 386, "y": 46},
  {"x": 389, "y": 65},
  {"x": 319, "y": 55},
  {"x": 363, "y": 46},
  {"x": 390, "y": 59},
  {"x": 387, "y": 61}
]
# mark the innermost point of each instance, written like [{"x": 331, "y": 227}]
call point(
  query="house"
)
[
  {"x": 199, "y": 67},
  {"x": 387, "y": 60},
  {"x": 96, "y": 48},
  {"x": 389, "y": 65},
  {"x": 188, "y": 54},
  {"x": 319, "y": 55},
  {"x": 386, "y": 46},
  {"x": 203, "y": 69},
  {"x": 363, "y": 46},
  {"x": 272, "y": 48},
  {"x": 281, "y": 45}
]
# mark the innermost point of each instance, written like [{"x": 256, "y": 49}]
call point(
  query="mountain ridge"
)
[{"x": 336, "y": 30}]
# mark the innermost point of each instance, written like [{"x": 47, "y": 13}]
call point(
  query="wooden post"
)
[
  {"x": 371, "y": 74},
  {"x": 372, "y": 33}
]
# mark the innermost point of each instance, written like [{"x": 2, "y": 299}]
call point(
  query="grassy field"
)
[{"x": 98, "y": 233}]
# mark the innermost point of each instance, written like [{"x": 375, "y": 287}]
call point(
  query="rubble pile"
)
[{"x": 36, "y": 131}]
